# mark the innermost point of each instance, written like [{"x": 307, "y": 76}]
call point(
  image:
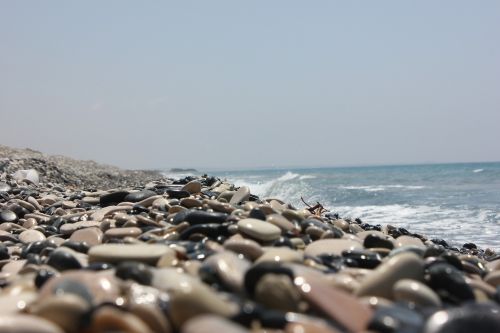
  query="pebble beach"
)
[{"x": 93, "y": 248}]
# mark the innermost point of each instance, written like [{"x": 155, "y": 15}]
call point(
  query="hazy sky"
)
[{"x": 230, "y": 84}]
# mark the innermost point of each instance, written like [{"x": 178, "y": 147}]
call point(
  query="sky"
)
[{"x": 245, "y": 84}]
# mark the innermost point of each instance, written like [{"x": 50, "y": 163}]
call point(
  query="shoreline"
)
[{"x": 131, "y": 250}]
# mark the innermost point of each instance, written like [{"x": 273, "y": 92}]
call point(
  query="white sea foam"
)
[
  {"x": 433, "y": 221},
  {"x": 288, "y": 187},
  {"x": 378, "y": 188},
  {"x": 478, "y": 170}
]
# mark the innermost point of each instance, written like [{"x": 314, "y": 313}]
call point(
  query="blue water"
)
[{"x": 457, "y": 202}]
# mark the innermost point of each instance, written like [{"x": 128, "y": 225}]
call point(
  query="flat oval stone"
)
[
  {"x": 30, "y": 236},
  {"x": 69, "y": 228},
  {"x": 260, "y": 230},
  {"x": 242, "y": 194},
  {"x": 22, "y": 323},
  {"x": 192, "y": 187},
  {"x": 113, "y": 253},
  {"x": 281, "y": 222},
  {"x": 381, "y": 282},
  {"x": 249, "y": 248},
  {"x": 331, "y": 247},
  {"x": 415, "y": 292},
  {"x": 201, "y": 217},
  {"x": 123, "y": 232},
  {"x": 139, "y": 196},
  {"x": 92, "y": 236}
]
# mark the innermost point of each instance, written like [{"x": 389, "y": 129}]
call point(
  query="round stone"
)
[
  {"x": 260, "y": 230},
  {"x": 122, "y": 232},
  {"x": 30, "y": 236},
  {"x": 7, "y": 215},
  {"x": 249, "y": 248},
  {"x": 92, "y": 236},
  {"x": 113, "y": 253}
]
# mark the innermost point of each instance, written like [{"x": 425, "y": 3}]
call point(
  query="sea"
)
[{"x": 456, "y": 202}]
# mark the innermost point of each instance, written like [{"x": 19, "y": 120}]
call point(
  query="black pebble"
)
[
  {"x": 202, "y": 217},
  {"x": 473, "y": 317},
  {"x": 372, "y": 241},
  {"x": 99, "y": 266},
  {"x": 4, "y": 252},
  {"x": 396, "y": 318},
  {"x": 36, "y": 247},
  {"x": 177, "y": 194},
  {"x": 43, "y": 276},
  {"x": 69, "y": 286},
  {"x": 362, "y": 258},
  {"x": 139, "y": 196},
  {"x": 449, "y": 282},
  {"x": 257, "y": 213},
  {"x": 62, "y": 261},
  {"x": 136, "y": 271},
  {"x": 81, "y": 247},
  {"x": 112, "y": 198}
]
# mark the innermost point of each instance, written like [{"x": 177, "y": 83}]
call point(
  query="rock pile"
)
[
  {"x": 69, "y": 172},
  {"x": 198, "y": 255}
]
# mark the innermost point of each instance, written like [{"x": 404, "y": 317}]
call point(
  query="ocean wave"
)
[
  {"x": 378, "y": 188},
  {"x": 288, "y": 186},
  {"x": 457, "y": 224},
  {"x": 478, "y": 170}
]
